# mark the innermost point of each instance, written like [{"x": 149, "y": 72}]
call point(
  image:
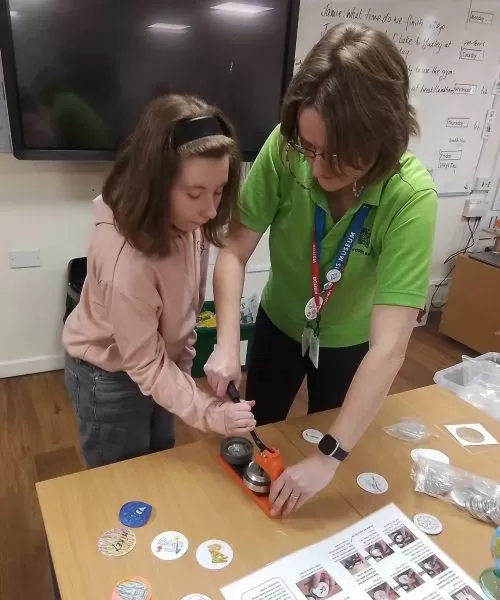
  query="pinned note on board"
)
[{"x": 489, "y": 123}]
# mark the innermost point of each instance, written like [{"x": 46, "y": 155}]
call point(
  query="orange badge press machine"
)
[{"x": 252, "y": 469}]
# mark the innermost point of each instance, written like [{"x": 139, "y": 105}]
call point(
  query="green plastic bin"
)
[{"x": 207, "y": 338}]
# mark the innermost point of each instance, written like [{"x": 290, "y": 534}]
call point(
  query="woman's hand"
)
[
  {"x": 300, "y": 483},
  {"x": 222, "y": 367},
  {"x": 229, "y": 418}
]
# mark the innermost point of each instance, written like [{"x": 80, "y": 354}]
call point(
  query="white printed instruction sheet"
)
[{"x": 382, "y": 557}]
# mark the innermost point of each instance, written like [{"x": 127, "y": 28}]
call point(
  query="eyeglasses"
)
[
  {"x": 308, "y": 188},
  {"x": 311, "y": 154}
]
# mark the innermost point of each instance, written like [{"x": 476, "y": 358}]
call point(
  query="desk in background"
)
[{"x": 471, "y": 314}]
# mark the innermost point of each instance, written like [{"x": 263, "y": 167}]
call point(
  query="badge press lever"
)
[{"x": 253, "y": 469}]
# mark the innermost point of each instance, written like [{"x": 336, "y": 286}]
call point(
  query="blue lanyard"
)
[{"x": 355, "y": 226}]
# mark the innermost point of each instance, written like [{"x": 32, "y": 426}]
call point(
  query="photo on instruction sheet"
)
[
  {"x": 319, "y": 585},
  {"x": 379, "y": 550},
  {"x": 383, "y": 592},
  {"x": 354, "y": 564},
  {"x": 402, "y": 537},
  {"x": 433, "y": 566},
  {"x": 466, "y": 593},
  {"x": 409, "y": 580}
]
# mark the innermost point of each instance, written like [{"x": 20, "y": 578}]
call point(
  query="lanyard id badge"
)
[{"x": 315, "y": 306}]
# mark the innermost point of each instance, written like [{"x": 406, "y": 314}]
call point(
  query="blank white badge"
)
[{"x": 431, "y": 454}]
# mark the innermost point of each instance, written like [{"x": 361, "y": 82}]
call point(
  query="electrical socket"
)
[
  {"x": 24, "y": 259},
  {"x": 475, "y": 208},
  {"x": 483, "y": 184}
]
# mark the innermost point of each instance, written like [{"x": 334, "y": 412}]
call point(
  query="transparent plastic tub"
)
[
  {"x": 452, "y": 378},
  {"x": 476, "y": 381}
]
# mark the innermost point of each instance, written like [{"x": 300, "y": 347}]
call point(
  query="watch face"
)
[{"x": 328, "y": 445}]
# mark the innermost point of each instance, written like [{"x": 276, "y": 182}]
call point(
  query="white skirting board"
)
[
  {"x": 55, "y": 362},
  {"x": 34, "y": 364}
]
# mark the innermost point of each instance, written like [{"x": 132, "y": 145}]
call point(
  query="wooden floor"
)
[{"x": 38, "y": 441}]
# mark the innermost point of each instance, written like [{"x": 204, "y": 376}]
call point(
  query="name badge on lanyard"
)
[{"x": 315, "y": 306}]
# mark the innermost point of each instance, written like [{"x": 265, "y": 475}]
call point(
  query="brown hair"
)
[
  {"x": 137, "y": 189},
  {"x": 357, "y": 80}
]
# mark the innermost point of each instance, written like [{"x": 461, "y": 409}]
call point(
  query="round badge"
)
[
  {"x": 428, "y": 523},
  {"x": 322, "y": 590},
  {"x": 169, "y": 545},
  {"x": 470, "y": 435},
  {"x": 372, "y": 483},
  {"x": 313, "y": 436},
  {"x": 196, "y": 597},
  {"x": 132, "y": 588},
  {"x": 135, "y": 514},
  {"x": 116, "y": 542},
  {"x": 214, "y": 554},
  {"x": 311, "y": 311},
  {"x": 334, "y": 275},
  {"x": 431, "y": 454}
]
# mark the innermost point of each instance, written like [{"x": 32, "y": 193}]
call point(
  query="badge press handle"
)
[{"x": 258, "y": 468}]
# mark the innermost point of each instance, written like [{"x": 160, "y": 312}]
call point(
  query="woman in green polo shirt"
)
[{"x": 351, "y": 216}]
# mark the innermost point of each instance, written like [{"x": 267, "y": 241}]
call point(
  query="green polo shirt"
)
[{"x": 389, "y": 263}]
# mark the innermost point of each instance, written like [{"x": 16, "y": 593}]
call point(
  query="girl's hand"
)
[
  {"x": 222, "y": 367},
  {"x": 231, "y": 419}
]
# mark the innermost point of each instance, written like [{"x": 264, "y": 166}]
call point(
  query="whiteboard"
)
[{"x": 452, "y": 48}]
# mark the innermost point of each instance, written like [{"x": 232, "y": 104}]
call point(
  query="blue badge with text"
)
[{"x": 135, "y": 514}]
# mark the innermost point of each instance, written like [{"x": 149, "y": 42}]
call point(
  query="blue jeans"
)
[{"x": 115, "y": 420}]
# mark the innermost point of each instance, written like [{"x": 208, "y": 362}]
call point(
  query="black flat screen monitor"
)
[{"x": 79, "y": 72}]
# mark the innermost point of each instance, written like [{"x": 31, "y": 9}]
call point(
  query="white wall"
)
[
  {"x": 48, "y": 206},
  {"x": 452, "y": 234}
]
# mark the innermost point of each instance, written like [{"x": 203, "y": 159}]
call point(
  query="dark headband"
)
[{"x": 195, "y": 129}]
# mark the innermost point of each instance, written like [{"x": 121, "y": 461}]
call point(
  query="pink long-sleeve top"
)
[{"x": 137, "y": 314}]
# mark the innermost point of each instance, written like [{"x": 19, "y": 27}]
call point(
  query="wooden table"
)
[{"x": 191, "y": 494}]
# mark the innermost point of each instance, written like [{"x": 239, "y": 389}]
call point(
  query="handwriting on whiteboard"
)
[
  {"x": 368, "y": 15},
  {"x": 452, "y": 49},
  {"x": 416, "y": 37},
  {"x": 481, "y": 18}
]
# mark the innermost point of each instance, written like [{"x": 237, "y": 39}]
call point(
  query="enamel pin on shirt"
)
[{"x": 315, "y": 306}]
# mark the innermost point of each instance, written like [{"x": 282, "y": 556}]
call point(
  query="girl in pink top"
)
[{"x": 129, "y": 341}]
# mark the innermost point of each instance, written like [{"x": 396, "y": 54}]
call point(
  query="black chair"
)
[{"x": 77, "y": 271}]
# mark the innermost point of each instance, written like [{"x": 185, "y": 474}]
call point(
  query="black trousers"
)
[{"x": 277, "y": 369}]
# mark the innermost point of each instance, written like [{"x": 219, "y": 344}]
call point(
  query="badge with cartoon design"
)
[
  {"x": 214, "y": 554},
  {"x": 169, "y": 545}
]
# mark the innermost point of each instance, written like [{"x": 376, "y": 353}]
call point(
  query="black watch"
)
[{"x": 329, "y": 446}]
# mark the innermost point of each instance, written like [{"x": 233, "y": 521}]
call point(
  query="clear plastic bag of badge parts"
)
[
  {"x": 410, "y": 429},
  {"x": 478, "y": 496}
]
